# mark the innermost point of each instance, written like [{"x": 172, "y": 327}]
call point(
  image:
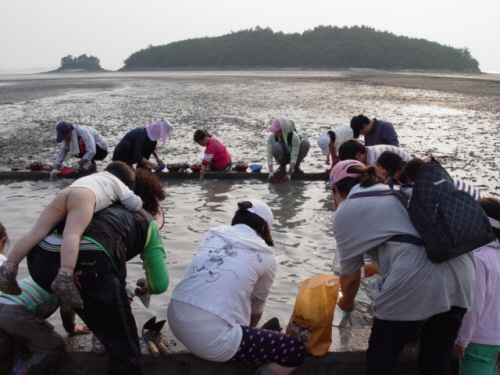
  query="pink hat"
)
[
  {"x": 339, "y": 171},
  {"x": 159, "y": 130},
  {"x": 276, "y": 126}
]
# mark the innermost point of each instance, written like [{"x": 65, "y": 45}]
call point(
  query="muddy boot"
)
[
  {"x": 64, "y": 286},
  {"x": 272, "y": 324},
  {"x": 297, "y": 166},
  {"x": 8, "y": 283},
  {"x": 281, "y": 169}
]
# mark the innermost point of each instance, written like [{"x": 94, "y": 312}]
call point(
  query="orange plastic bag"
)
[{"x": 312, "y": 317}]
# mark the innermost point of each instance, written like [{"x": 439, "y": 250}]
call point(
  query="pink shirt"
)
[
  {"x": 481, "y": 324},
  {"x": 216, "y": 154}
]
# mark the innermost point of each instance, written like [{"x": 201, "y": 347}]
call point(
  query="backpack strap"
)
[{"x": 406, "y": 238}]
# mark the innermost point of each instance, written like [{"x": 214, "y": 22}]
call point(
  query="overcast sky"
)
[{"x": 39, "y": 33}]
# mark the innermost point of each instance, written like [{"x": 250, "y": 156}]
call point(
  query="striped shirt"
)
[
  {"x": 90, "y": 138},
  {"x": 34, "y": 298},
  {"x": 375, "y": 151},
  {"x": 468, "y": 189}
]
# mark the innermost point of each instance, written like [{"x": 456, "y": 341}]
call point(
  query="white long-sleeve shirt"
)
[
  {"x": 90, "y": 137},
  {"x": 481, "y": 325}
]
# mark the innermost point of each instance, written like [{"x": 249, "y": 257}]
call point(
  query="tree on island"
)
[{"x": 81, "y": 62}]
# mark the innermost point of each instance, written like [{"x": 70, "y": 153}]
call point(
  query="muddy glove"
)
[
  {"x": 53, "y": 174},
  {"x": 289, "y": 175},
  {"x": 75, "y": 167},
  {"x": 142, "y": 288},
  {"x": 271, "y": 175}
]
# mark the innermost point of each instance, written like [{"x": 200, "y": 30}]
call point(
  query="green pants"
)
[{"x": 480, "y": 360}]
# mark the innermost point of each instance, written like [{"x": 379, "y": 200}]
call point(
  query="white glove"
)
[
  {"x": 271, "y": 175},
  {"x": 289, "y": 175},
  {"x": 53, "y": 174},
  {"x": 75, "y": 167}
]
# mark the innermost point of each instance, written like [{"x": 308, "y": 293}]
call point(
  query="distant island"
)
[
  {"x": 325, "y": 47},
  {"x": 82, "y": 63}
]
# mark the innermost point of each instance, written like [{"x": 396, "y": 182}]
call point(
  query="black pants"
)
[
  {"x": 106, "y": 309},
  {"x": 437, "y": 336},
  {"x": 100, "y": 153}
]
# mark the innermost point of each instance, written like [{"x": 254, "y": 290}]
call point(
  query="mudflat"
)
[{"x": 449, "y": 115}]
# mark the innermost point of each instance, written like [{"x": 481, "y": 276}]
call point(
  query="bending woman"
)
[
  {"x": 138, "y": 145},
  {"x": 215, "y": 308},
  {"x": 115, "y": 235},
  {"x": 413, "y": 293}
]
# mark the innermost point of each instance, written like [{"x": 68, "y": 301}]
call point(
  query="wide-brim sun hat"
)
[{"x": 324, "y": 143}]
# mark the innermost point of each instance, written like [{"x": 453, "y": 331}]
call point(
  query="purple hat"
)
[{"x": 62, "y": 129}]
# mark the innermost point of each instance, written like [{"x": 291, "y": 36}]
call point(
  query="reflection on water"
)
[{"x": 304, "y": 243}]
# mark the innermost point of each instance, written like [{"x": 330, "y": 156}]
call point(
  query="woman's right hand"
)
[{"x": 346, "y": 305}]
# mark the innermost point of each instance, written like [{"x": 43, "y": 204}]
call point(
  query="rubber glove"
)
[
  {"x": 271, "y": 175},
  {"x": 142, "y": 288},
  {"x": 75, "y": 167},
  {"x": 161, "y": 167},
  {"x": 289, "y": 175},
  {"x": 53, "y": 174}
]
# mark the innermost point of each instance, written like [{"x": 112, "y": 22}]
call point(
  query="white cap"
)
[
  {"x": 261, "y": 209},
  {"x": 324, "y": 143}
]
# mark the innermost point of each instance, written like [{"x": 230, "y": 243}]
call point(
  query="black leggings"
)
[
  {"x": 259, "y": 346},
  {"x": 106, "y": 309}
]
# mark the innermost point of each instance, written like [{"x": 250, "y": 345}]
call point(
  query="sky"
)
[{"x": 37, "y": 34}]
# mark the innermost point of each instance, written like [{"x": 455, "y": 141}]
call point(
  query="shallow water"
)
[{"x": 304, "y": 243}]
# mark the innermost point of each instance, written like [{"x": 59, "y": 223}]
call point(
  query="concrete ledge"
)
[
  {"x": 45, "y": 175},
  {"x": 348, "y": 357}
]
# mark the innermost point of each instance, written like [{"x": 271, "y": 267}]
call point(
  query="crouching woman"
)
[
  {"x": 413, "y": 294},
  {"x": 215, "y": 308}
]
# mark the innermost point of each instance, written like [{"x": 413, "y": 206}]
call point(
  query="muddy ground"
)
[{"x": 452, "y": 116}]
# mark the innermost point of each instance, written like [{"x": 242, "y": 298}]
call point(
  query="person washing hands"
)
[
  {"x": 286, "y": 147},
  {"x": 81, "y": 141}
]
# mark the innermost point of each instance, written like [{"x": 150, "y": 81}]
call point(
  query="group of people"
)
[
  {"x": 78, "y": 249},
  {"x": 452, "y": 307}
]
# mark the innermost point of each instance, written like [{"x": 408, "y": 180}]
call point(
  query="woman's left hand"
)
[{"x": 458, "y": 352}]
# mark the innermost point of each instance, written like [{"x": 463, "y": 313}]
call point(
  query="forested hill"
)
[{"x": 325, "y": 47}]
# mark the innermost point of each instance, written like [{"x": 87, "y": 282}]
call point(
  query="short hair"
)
[
  {"x": 201, "y": 134},
  {"x": 391, "y": 162},
  {"x": 357, "y": 123},
  {"x": 350, "y": 148},
  {"x": 124, "y": 172},
  {"x": 254, "y": 221},
  {"x": 332, "y": 135}
]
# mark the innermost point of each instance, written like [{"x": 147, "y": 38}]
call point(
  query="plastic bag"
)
[{"x": 312, "y": 317}]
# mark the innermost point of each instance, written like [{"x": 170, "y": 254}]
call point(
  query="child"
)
[
  {"x": 478, "y": 342},
  {"x": 76, "y": 204},
  {"x": 216, "y": 156}
]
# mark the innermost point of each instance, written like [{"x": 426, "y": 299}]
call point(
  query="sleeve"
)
[
  {"x": 139, "y": 146},
  {"x": 89, "y": 141},
  {"x": 262, "y": 287},
  {"x": 270, "y": 142},
  {"x": 61, "y": 154},
  {"x": 472, "y": 317},
  {"x": 209, "y": 154},
  {"x": 127, "y": 197},
  {"x": 153, "y": 257},
  {"x": 389, "y": 135},
  {"x": 67, "y": 316},
  {"x": 295, "y": 148}
]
